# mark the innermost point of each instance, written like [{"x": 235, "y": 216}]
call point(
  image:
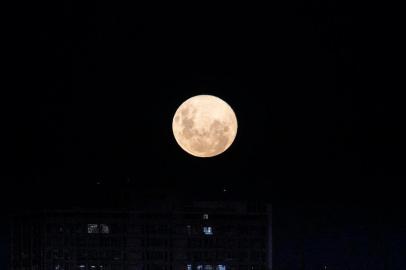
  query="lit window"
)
[
  {"x": 104, "y": 228},
  {"x": 189, "y": 229},
  {"x": 92, "y": 228},
  {"x": 207, "y": 230},
  {"x": 221, "y": 267},
  {"x": 208, "y": 267},
  {"x": 189, "y": 267},
  {"x": 199, "y": 267},
  {"x": 82, "y": 266},
  {"x": 205, "y": 216}
]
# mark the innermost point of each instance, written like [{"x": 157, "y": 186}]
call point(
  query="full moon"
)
[{"x": 204, "y": 126}]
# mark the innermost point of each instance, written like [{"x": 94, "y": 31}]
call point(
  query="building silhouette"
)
[{"x": 186, "y": 236}]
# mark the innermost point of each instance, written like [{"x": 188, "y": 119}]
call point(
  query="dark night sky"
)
[{"x": 95, "y": 88}]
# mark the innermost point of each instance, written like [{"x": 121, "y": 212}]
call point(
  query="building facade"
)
[{"x": 187, "y": 236}]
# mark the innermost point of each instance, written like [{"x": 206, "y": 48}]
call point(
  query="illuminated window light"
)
[
  {"x": 92, "y": 228},
  {"x": 208, "y": 230}
]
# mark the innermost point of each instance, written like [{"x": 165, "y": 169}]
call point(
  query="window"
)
[
  {"x": 199, "y": 267},
  {"x": 205, "y": 216},
  {"x": 104, "y": 228},
  {"x": 92, "y": 228},
  {"x": 189, "y": 229},
  {"x": 208, "y": 230},
  {"x": 98, "y": 228},
  {"x": 189, "y": 267},
  {"x": 221, "y": 267}
]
